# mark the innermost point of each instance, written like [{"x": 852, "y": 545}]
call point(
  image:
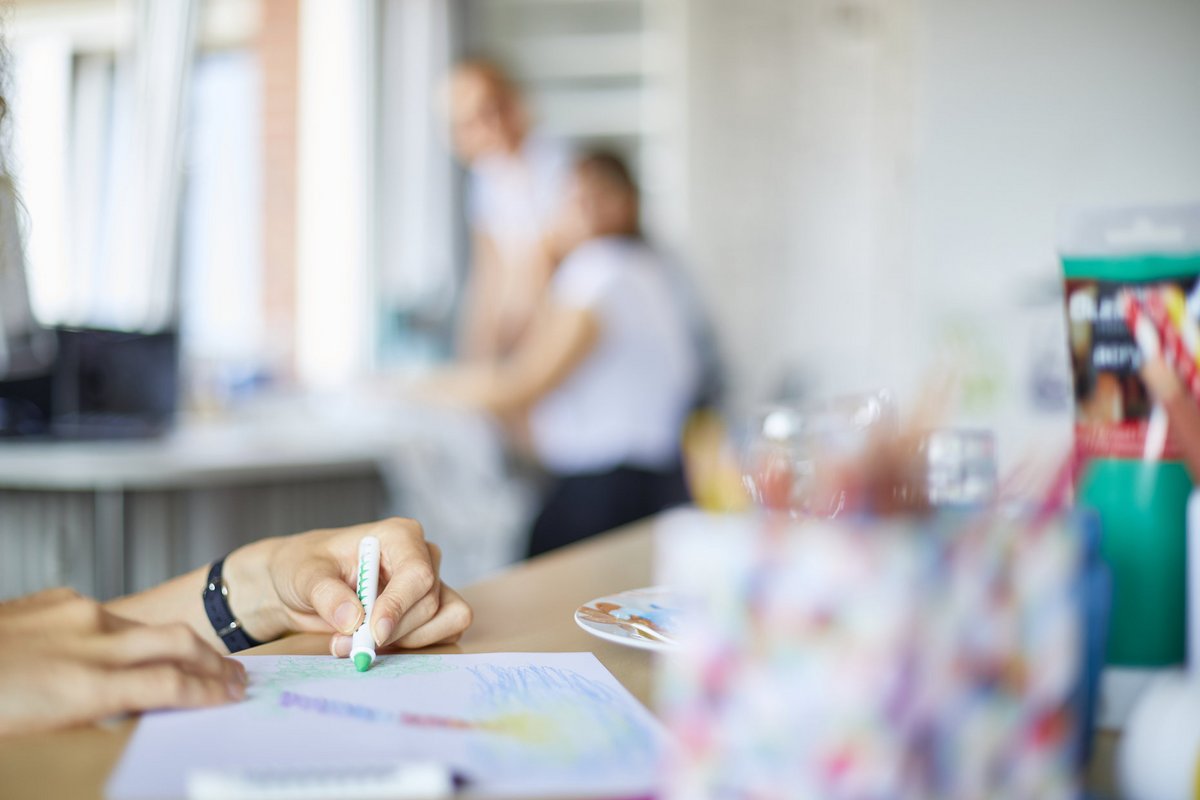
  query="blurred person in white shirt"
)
[
  {"x": 606, "y": 374},
  {"x": 516, "y": 179}
]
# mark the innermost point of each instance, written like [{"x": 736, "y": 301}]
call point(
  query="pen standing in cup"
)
[{"x": 362, "y": 648}]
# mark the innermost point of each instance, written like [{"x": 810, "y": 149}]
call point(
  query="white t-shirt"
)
[
  {"x": 626, "y": 403},
  {"x": 514, "y": 200}
]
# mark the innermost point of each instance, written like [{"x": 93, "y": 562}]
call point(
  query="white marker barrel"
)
[{"x": 362, "y": 648}]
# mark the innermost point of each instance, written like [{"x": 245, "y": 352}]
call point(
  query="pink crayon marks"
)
[
  {"x": 338, "y": 708},
  {"x": 433, "y": 721},
  {"x": 526, "y": 727}
]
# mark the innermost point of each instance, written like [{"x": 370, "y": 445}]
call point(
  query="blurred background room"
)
[
  {"x": 528, "y": 270},
  {"x": 248, "y": 242}
]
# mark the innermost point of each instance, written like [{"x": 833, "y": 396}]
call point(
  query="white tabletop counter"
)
[
  {"x": 109, "y": 517},
  {"x": 293, "y": 439}
]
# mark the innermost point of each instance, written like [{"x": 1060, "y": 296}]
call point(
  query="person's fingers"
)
[
  {"x": 61, "y": 611},
  {"x": 419, "y": 615},
  {"x": 1160, "y": 378},
  {"x": 340, "y": 645},
  {"x": 235, "y": 672},
  {"x": 147, "y": 644},
  {"x": 152, "y": 686},
  {"x": 453, "y": 617},
  {"x": 409, "y": 590},
  {"x": 19, "y": 606},
  {"x": 322, "y": 588},
  {"x": 426, "y": 607},
  {"x": 114, "y": 622},
  {"x": 407, "y": 562},
  {"x": 435, "y": 556}
]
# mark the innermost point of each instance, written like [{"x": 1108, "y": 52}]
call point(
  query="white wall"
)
[
  {"x": 1025, "y": 109},
  {"x": 798, "y": 140},
  {"x": 875, "y": 182},
  {"x": 220, "y": 302},
  {"x": 334, "y": 191}
]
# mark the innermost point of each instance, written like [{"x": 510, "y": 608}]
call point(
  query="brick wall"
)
[{"x": 278, "y": 46}]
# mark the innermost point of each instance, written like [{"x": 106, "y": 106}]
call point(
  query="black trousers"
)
[{"x": 579, "y": 506}]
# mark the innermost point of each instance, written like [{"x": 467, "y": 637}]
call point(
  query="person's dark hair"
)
[
  {"x": 3, "y": 80},
  {"x": 4, "y": 76},
  {"x": 610, "y": 169},
  {"x": 6, "y": 180}
]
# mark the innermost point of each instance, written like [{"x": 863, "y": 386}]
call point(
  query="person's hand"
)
[
  {"x": 65, "y": 661},
  {"x": 1183, "y": 413},
  {"x": 1161, "y": 380},
  {"x": 466, "y": 387},
  {"x": 306, "y": 583}
]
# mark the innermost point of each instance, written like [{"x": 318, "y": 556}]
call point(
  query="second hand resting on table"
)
[{"x": 67, "y": 659}]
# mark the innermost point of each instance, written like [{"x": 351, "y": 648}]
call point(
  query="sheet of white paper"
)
[{"x": 515, "y": 724}]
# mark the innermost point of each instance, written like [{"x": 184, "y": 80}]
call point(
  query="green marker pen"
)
[{"x": 362, "y": 648}]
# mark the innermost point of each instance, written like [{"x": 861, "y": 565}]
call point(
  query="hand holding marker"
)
[{"x": 362, "y": 648}]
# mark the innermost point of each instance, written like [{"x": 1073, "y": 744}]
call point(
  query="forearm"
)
[
  {"x": 478, "y": 333},
  {"x": 477, "y": 337},
  {"x": 486, "y": 387},
  {"x": 1184, "y": 415},
  {"x": 506, "y": 392},
  {"x": 556, "y": 346},
  {"x": 251, "y": 598}
]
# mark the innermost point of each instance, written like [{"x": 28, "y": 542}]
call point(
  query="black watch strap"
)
[{"x": 216, "y": 605}]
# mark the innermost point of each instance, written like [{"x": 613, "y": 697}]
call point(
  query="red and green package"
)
[{"x": 1140, "y": 492}]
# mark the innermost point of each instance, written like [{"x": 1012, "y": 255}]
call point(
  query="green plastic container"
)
[
  {"x": 1144, "y": 508},
  {"x": 1142, "y": 502}
]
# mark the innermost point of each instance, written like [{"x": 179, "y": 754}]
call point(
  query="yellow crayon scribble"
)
[{"x": 530, "y": 728}]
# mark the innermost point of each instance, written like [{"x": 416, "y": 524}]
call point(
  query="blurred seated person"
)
[
  {"x": 516, "y": 179},
  {"x": 607, "y": 373}
]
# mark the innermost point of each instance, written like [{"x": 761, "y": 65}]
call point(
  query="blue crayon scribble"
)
[{"x": 585, "y": 726}]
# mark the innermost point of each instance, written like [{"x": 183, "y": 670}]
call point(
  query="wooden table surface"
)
[{"x": 528, "y": 608}]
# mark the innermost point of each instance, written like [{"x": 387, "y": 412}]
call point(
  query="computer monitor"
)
[{"x": 75, "y": 383}]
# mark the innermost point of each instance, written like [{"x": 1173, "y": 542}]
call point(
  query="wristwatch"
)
[{"x": 216, "y": 605}]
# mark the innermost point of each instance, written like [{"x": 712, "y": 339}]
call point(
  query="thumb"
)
[{"x": 322, "y": 587}]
